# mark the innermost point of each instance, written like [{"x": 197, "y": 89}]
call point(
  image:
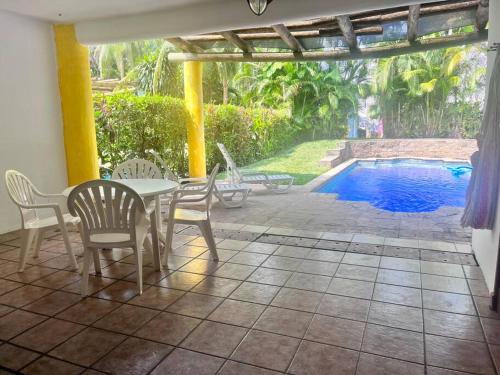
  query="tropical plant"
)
[
  {"x": 319, "y": 96},
  {"x": 416, "y": 93}
]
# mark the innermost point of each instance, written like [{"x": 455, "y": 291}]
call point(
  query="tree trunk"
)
[{"x": 225, "y": 91}]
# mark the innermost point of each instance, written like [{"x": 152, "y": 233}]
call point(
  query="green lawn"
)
[{"x": 301, "y": 161}]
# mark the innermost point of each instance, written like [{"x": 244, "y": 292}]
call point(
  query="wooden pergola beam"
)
[
  {"x": 185, "y": 45},
  {"x": 342, "y": 54},
  {"x": 369, "y": 30},
  {"x": 482, "y": 15},
  {"x": 288, "y": 38},
  {"x": 345, "y": 25},
  {"x": 425, "y": 10},
  {"x": 413, "y": 16},
  {"x": 361, "y": 22},
  {"x": 234, "y": 39}
]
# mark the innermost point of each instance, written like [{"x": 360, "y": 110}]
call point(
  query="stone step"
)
[
  {"x": 334, "y": 151},
  {"x": 330, "y": 161},
  {"x": 334, "y": 156}
]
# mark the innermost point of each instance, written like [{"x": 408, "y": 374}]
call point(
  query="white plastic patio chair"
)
[
  {"x": 202, "y": 195},
  {"x": 169, "y": 175},
  {"x": 136, "y": 169},
  {"x": 226, "y": 193},
  {"x": 112, "y": 216},
  {"x": 24, "y": 194},
  {"x": 279, "y": 183}
]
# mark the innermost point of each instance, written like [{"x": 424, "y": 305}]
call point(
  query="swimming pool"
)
[{"x": 402, "y": 185}]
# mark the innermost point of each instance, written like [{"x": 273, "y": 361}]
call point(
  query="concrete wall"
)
[
  {"x": 31, "y": 138},
  {"x": 460, "y": 149},
  {"x": 484, "y": 242}
]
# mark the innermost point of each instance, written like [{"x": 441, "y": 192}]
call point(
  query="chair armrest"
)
[
  {"x": 179, "y": 196},
  {"x": 189, "y": 180},
  {"x": 43, "y": 195},
  {"x": 193, "y": 186}
]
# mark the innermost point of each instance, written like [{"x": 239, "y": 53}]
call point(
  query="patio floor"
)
[
  {"x": 326, "y": 307},
  {"x": 302, "y": 209}
]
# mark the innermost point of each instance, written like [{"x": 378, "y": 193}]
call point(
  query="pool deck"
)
[{"x": 302, "y": 209}]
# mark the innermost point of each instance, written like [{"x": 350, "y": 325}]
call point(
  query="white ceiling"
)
[
  {"x": 107, "y": 21},
  {"x": 80, "y": 10}
]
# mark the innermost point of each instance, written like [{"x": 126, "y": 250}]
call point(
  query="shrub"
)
[{"x": 128, "y": 126}]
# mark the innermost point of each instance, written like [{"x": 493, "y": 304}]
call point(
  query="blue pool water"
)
[{"x": 402, "y": 185}]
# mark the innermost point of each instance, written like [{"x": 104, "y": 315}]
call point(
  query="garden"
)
[{"x": 281, "y": 117}]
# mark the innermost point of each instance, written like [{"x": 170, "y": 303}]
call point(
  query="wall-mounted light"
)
[{"x": 258, "y": 6}]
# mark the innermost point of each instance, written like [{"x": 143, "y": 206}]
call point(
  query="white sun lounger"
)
[
  {"x": 278, "y": 183},
  {"x": 228, "y": 194}
]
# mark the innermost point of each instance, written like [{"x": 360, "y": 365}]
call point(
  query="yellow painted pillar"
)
[
  {"x": 75, "y": 88},
  {"x": 193, "y": 91}
]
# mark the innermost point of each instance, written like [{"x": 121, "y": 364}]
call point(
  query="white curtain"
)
[{"x": 482, "y": 195}]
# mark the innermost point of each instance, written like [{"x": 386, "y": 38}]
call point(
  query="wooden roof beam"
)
[
  {"x": 185, "y": 45},
  {"x": 348, "y": 31},
  {"x": 339, "y": 54},
  {"x": 297, "y": 34},
  {"x": 288, "y": 38},
  {"x": 413, "y": 15},
  {"x": 234, "y": 39},
  {"x": 482, "y": 15}
]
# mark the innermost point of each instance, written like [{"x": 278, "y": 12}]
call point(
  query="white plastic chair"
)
[
  {"x": 193, "y": 193},
  {"x": 169, "y": 175},
  {"x": 225, "y": 192},
  {"x": 26, "y": 196},
  {"x": 137, "y": 169},
  {"x": 112, "y": 216},
  {"x": 277, "y": 183}
]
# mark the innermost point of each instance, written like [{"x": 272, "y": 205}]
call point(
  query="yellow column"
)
[
  {"x": 193, "y": 91},
  {"x": 75, "y": 89}
]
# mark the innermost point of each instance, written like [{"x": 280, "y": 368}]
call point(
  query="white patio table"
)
[{"x": 147, "y": 189}]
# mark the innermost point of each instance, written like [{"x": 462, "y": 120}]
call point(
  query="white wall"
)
[
  {"x": 485, "y": 242},
  {"x": 31, "y": 138}
]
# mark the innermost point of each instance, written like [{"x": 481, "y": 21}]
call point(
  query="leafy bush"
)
[{"x": 128, "y": 126}]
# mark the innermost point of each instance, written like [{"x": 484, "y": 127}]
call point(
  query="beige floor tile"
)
[
  {"x": 458, "y": 355},
  {"x": 394, "y": 343},
  {"x": 321, "y": 359},
  {"x": 168, "y": 328},
  {"x": 266, "y": 350}
]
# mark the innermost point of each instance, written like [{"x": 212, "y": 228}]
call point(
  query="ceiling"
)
[
  {"x": 81, "y": 10},
  {"x": 108, "y": 21}
]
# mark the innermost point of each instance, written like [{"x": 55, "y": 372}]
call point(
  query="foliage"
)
[
  {"x": 300, "y": 161},
  {"x": 427, "y": 94},
  {"x": 248, "y": 134},
  {"x": 319, "y": 96},
  {"x": 129, "y": 125}
]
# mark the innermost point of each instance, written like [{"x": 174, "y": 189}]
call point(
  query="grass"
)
[{"x": 300, "y": 161}]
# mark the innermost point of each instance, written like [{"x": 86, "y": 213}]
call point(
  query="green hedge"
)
[{"x": 128, "y": 125}]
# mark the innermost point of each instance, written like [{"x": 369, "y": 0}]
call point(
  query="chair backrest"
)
[
  {"x": 167, "y": 172},
  {"x": 211, "y": 185},
  {"x": 233, "y": 174},
  {"x": 106, "y": 207},
  {"x": 137, "y": 169},
  {"x": 22, "y": 192}
]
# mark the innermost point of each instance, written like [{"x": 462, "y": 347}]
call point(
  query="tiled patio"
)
[{"x": 267, "y": 307}]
